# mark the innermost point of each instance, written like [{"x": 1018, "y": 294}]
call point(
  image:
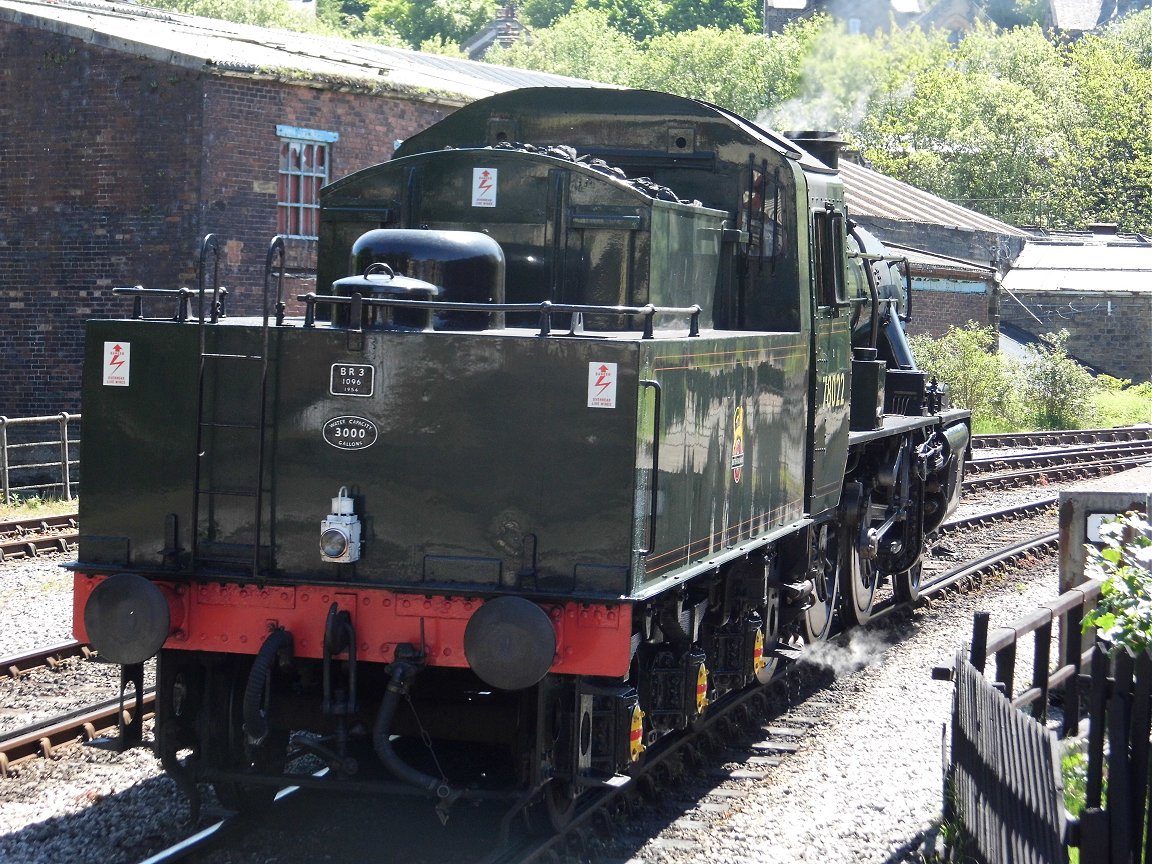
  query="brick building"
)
[
  {"x": 956, "y": 256},
  {"x": 127, "y": 134},
  {"x": 1097, "y": 286}
]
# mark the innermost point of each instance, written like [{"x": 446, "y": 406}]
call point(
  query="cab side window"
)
[{"x": 828, "y": 252}]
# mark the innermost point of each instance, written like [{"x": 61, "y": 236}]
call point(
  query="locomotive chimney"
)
[{"x": 825, "y": 146}]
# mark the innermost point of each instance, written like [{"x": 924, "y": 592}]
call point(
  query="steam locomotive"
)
[{"x": 602, "y": 408}]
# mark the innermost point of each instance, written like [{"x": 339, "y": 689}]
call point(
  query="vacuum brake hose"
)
[
  {"x": 381, "y": 735},
  {"x": 255, "y": 720}
]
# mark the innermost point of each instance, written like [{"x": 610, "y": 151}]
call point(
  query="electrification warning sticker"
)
[
  {"x": 117, "y": 363},
  {"x": 483, "y": 187},
  {"x": 601, "y": 385}
]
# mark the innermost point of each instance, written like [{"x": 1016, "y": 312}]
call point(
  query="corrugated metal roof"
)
[
  {"x": 1088, "y": 267},
  {"x": 210, "y": 44},
  {"x": 870, "y": 193},
  {"x": 1078, "y": 281},
  {"x": 924, "y": 260},
  {"x": 1087, "y": 256}
]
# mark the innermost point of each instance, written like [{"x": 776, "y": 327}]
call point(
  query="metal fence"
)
[{"x": 36, "y": 457}]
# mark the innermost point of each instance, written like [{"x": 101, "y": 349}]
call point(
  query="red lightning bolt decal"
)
[
  {"x": 602, "y": 379},
  {"x": 114, "y": 361},
  {"x": 484, "y": 184}
]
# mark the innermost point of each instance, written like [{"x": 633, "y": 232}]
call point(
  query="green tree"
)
[
  {"x": 1105, "y": 173},
  {"x": 543, "y": 13},
  {"x": 840, "y": 75},
  {"x": 977, "y": 376},
  {"x": 582, "y": 44},
  {"x": 730, "y": 68},
  {"x": 417, "y": 22},
  {"x": 258, "y": 13},
  {"x": 985, "y": 123},
  {"x": 684, "y": 15}
]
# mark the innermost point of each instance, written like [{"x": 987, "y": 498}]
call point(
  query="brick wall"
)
[
  {"x": 115, "y": 166},
  {"x": 934, "y": 312},
  {"x": 1107, "y": 330},
  {"x": 241, "y": 150},
  {"x": 98, "y": 188}
]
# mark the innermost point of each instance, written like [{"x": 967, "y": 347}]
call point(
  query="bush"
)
[
  {"x": 1123, "y": 615},
  {"x": 978, "y": 377},
  {"x": 1057, "y": 390}
]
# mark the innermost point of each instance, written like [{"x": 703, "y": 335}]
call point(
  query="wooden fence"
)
[{"x": 1004, "y": 787}]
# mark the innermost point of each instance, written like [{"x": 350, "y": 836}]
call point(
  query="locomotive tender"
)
[{"x": 555, "y": 458}]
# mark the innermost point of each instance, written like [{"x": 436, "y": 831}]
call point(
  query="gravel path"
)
[{"x": 864, "y": 784}]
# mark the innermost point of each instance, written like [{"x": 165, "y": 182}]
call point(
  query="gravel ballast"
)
[{"x": 864, "y": 785}]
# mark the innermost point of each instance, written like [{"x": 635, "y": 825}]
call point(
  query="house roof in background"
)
[
  {"x": 1075, "y": 14},
  {"x": 870, "y": 193},
  {"x": 238, "y": 49},
  {"x": 1091, "y": 265}
]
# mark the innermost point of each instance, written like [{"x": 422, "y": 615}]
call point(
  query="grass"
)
[
  {"x": 32, "y": 506},
  {"x": 1124, "y": 407}
]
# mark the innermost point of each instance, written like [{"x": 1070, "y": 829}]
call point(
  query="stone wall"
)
[{"x": 1109, "y": 330}]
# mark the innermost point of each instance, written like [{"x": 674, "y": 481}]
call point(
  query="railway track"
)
[
  {"x": 1070, "y": 456},
  {"x": 1005, "y": 472},
  {"x": 753, "y": 731},
  {"x": 1061, "y": 437},
  {"x": 50, "y": 657},
  {"x": 46, "y": 739},
  {"x": 27, "y": 538}
]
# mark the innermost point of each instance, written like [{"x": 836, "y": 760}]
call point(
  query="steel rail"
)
[
  {"x": 85, "y": 724},
  {"x": 990, "y": 562},
  {"x": 27, "y": 538},
  {"x": 1058, "y": 436},
  {"x": 1063, "y": 456},
  {"x": 18, "y": 665},
  {"x": 1055, "y": 473}
]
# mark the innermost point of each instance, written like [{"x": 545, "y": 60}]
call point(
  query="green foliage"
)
[
  {"x": 1122, "y": 405},
  {"x": 418, "y": 22},
  {"x": 978, "y": 377},
  {"x": 577, "y": 43},
  {"x": 684, "y": 15},
  {"x": 258, "y": 13},
  {"x": 1074, "y": 773},
  {"x": 702, "y": 64},
  {"x": 1057, "y": 390},
  {"x": 985, "y": 124},
  {"x": 638, "y": 19},
  {"x": 1123, "y": 615},
  {"x": 1105, "y": 170},
  {"x": 842, "y": 75}
]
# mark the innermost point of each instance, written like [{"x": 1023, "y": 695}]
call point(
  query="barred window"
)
[{"x": 305, "y": 156}]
